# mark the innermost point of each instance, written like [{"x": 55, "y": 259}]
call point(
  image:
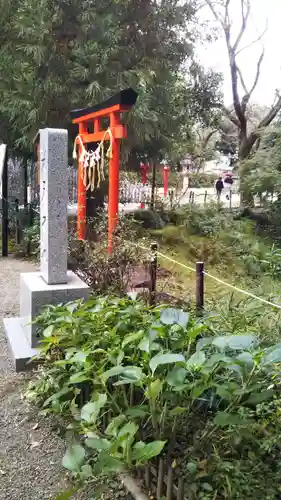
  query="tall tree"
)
[
  {"x": 59, "y": 54},
  {"x": 242, "y": 93}
]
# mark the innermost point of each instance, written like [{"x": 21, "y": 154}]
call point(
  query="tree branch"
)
[
  {"x": 254, "y": 41},
  {"x": 248, "y": 95},
  {"x": 242, "y": 80},
  {"x": 270, "y": 115},
  {"x": 230, "y": 116},
  {"x": 245, "y": 16}
]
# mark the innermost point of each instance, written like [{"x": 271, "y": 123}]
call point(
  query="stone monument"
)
[{"x": 53, "y": 284}]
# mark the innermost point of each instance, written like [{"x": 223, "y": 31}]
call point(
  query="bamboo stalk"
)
[
  {"x": 180, "y": 495},
  {"x": 160, "y": 479},
  {"x": 169, "y": 494}
]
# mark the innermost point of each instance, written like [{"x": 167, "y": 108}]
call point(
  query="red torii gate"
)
[{"x": 93, "y": 116}]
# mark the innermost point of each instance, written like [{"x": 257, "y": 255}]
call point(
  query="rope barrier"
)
[{"x": 239, "y": 290}]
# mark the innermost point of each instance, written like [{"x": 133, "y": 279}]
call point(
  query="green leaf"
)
[
  {"x": 204, "y": 342},
  {"x": 259, "y": 397},
  {"x": 196, "y": 360},
  {"x": 115, "y": 424},
  {"x": 165, "y": 359},
  {"x": 108, "y": 464},
  {"x": 171, "y": 316},
  {"x": 48, "y": 332},
  {"x": 272, "y": 356},
  {"x": 207, "y": 487},
  {"x": 217, "y": 358},
  {"x": 154, "y": 389},
  {"x": 235, "y": 342},
  {"x": 79, "y": 377},
  {"x": 241, "y": 342},
  {"x": 57, "y": 395},
  {"x": 129, "y": 429},
  {"x": 98, "y": 444},
  {"x": 195, "y": 331},
  {"x": 74, "y": 457},
  {"x": 246, "y": 358},
  {"x": 191, "y": 467},
  {"x": 118, "y": 370},
  {"x": 144, "y": 453},
  {"x": 133, "y": 373},
  {"x": 176, "y": 376},
  {"x": 86, "y": 471},
  {"x": 224, "y": 419},
  {"x": 220, "y": 342},
  {"x": 132, "y": 338},
  {"x": 66, "y": 495},
  {"x": 140, "y": 411},
  {"x": 79, "y": 357},
  {"x": 91, "y": 411},
  {"x": 178, "y": 410}
]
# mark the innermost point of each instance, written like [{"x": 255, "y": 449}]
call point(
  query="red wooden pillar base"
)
[
  {"x": 113, "y": 193},
  {"x": 166, "y": 179}
]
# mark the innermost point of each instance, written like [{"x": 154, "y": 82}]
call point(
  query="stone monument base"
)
[
  {"x": 21, "y": 351},
  {"x": 35, "y": 294}
]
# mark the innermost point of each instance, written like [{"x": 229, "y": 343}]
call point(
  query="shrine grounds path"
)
[{"x": 31, "y": 448}]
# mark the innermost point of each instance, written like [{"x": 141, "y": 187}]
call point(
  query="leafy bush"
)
[
  {"x": 134, "y": 382},
  {"x": 30, "y": 243},
  {"x": 205, "y": 220},
  {"x": 104, "y": 272},
  {"x": 202, "y": 180}
]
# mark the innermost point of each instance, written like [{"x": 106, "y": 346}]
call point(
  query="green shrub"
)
[
  {"x": 202, "y": 180},
  {"x": 107, "y": 272},
  {"x": 134, "y": 382}
]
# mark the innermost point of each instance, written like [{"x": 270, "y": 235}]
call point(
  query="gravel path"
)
[{"x": 30, "y": 447}]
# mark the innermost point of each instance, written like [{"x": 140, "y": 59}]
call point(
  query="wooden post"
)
[
  {"x": 199, "y": 286},
  {"x": 205, "y": 197},
  {"x": 17, "y": 221},
  {"x": 5, "y": 209},
  {"x": 25, "y": 183},
  {"x": 153, "y": 274}
]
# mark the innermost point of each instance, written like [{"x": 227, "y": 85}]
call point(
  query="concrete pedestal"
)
[{"x": 35, "y": 294}]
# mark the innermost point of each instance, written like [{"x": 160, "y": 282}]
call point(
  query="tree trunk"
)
[{"x": 245, "y": 148}]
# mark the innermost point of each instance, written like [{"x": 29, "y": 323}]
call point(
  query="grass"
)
[{"x": 234, "y": 258}]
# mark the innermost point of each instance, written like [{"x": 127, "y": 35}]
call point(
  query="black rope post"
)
[
  {"x": 153, "y": 275},
  {"x": 205, "y": 197},
  {"x": 17, "y": 221},
  {"x": 25, "y": 183},
  {"x": 5, "y": 209},
  {"x": 230, "y": 199},
  {"x": 199, "y": 287}
]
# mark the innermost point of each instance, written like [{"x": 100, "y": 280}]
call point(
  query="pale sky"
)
[{"x": 215, "y": 56}]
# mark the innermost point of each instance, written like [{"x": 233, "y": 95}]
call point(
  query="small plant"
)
[{"x": 30, "y": 244}]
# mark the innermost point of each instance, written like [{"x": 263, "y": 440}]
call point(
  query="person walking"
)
[
  {"x": 219, "y": 187},
  {"x": 228, "y": 181}
]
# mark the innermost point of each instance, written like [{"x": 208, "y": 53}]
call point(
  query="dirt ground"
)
[{"x": 31, "y": 449}]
